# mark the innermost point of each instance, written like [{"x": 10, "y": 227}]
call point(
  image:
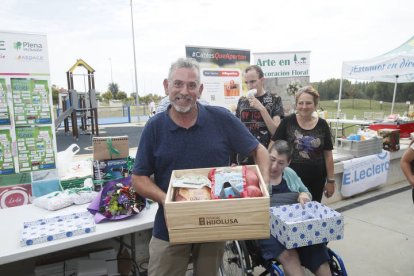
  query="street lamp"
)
[
  {"x": 110, "y": 65},
  {"x": 135, "y": 59}
]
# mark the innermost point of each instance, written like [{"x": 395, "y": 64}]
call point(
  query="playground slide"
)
[{"x": 63, "y": 116}]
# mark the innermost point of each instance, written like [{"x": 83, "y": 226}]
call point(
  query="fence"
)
[{"x": 119, "y": 114}]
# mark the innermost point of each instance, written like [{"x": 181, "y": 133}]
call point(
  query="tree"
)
[
  {"x": 55, "y": 94},
  {"x": 329, "y": 89},
  {"x": 350, "y": 91},
  {"x": 114, "y": 89},
  {"x": 107, "y": 96},
  {"x": 121, "y": 95}
]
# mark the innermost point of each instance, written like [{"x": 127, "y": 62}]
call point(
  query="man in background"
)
[
  {"x": 151, "y": 108},
  {"x": 260, "y": 111}
]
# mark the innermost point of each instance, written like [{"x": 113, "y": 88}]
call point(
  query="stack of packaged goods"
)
[
  {"x": 72, "y": 174},
  {"x": 365, "y": 142},
  {"x": 110, "y": 159}
]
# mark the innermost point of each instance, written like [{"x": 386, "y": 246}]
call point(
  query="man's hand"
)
[{"x": 255, "y": 103}]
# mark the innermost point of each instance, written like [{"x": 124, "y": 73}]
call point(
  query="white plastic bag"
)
[{"x": 64, "y": 158}]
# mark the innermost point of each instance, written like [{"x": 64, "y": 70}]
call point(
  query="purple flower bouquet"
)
[{"x": 117, "y": 200}]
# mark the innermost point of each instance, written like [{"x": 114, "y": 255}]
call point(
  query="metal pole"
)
[
  {"x": 135, "y": 61},
  {"x": 393, "y": 95},
  {"x": 338, "y": 112},
  {"x": 110, "y": 64}
]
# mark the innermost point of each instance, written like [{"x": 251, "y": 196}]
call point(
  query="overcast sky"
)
[{"x": 100, "y": 32}]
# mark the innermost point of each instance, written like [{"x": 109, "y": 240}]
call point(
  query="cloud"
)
[{"x": 96, "y": 30}]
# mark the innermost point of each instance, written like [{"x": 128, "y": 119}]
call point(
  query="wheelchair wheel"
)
[
  {"x": 236, "y": 260},
  {"x": 336, "y": 264}
]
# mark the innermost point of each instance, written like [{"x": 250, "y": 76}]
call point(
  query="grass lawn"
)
[
  {"x": 357, "y": 107},
  {"x": 361, "y": 109}
]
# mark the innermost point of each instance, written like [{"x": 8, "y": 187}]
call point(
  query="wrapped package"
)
[
  {"x": 295, "y": 226},
  {"x": 50, "y": 229},
  {"x": 228, "y": 182},
  {"x": 82, "y": 196},
  {"x": 183, "y": 194},
  {"x": 117, "y": 200},
  {"x": 192, "y": 187},
  {"x": 53, "y": 201}
]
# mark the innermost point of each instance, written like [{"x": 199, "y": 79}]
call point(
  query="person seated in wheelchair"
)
[{"x": 287, "y": 188}]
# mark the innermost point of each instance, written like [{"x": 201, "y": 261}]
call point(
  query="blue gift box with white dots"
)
[
  {"x": 54, "y": 228},
  {"x": 295, "y": 226}
]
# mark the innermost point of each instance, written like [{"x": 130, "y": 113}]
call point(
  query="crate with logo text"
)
[{"x": 211, "y": 220}]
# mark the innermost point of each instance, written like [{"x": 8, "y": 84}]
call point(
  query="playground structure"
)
[{"x": 79, "y": 105}]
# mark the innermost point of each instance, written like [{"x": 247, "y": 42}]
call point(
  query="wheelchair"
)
[{"x": 242, "y": 257}]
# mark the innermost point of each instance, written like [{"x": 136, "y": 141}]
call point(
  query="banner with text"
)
[
  {"x": 27, "y": 136},
  {"x": 284, "y": 73},
  {"x": 361, "y": 174},
  {"x": 221, "y": 73}
]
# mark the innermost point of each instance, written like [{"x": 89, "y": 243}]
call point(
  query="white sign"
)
[
  {"x": 221, "y": 73},
  {"x": 285, "y": 73},
  {"x": 25, "y": 91},
  {"x": 222, "y": 87},
  {"x": 283, "y": 64},
  {"x": 23, "y": 54},
  {"x": 361, "y": 174}
]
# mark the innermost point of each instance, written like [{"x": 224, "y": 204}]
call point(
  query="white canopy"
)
[{"x": 396, "y": 66}]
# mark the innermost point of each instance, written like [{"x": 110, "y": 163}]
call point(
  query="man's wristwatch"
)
[{"x": 328, "y": 180}]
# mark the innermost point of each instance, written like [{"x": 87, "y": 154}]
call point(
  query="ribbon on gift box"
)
[{"x": 111, "y": 148}]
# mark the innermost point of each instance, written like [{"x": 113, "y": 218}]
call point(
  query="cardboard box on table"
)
[
  {"x": 295, "y": 226},
  {"x": 102, "y": 147},
  {"x": 58, "y": 227},
  {"x": 390, "y": 139},
  {"x": 217, "y": 219}
]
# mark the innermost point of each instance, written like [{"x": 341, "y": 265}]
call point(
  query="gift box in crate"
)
[
  {"x": 390, "y": 139},
  {"x": 54, "y": 228},
  {"x": 216, "y": 219},
  {"x": 359, "y": 148},
  {"x": 295, "y": 226}
]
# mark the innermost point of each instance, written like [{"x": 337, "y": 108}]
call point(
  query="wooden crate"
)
[{"x": 217, "y": 220}]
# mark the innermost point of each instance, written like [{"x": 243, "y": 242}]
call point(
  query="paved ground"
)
[
  {"x": 379, "y": 232},
  {"x": 133, "y": 131},
  {"x": 379, "y": 236}
]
